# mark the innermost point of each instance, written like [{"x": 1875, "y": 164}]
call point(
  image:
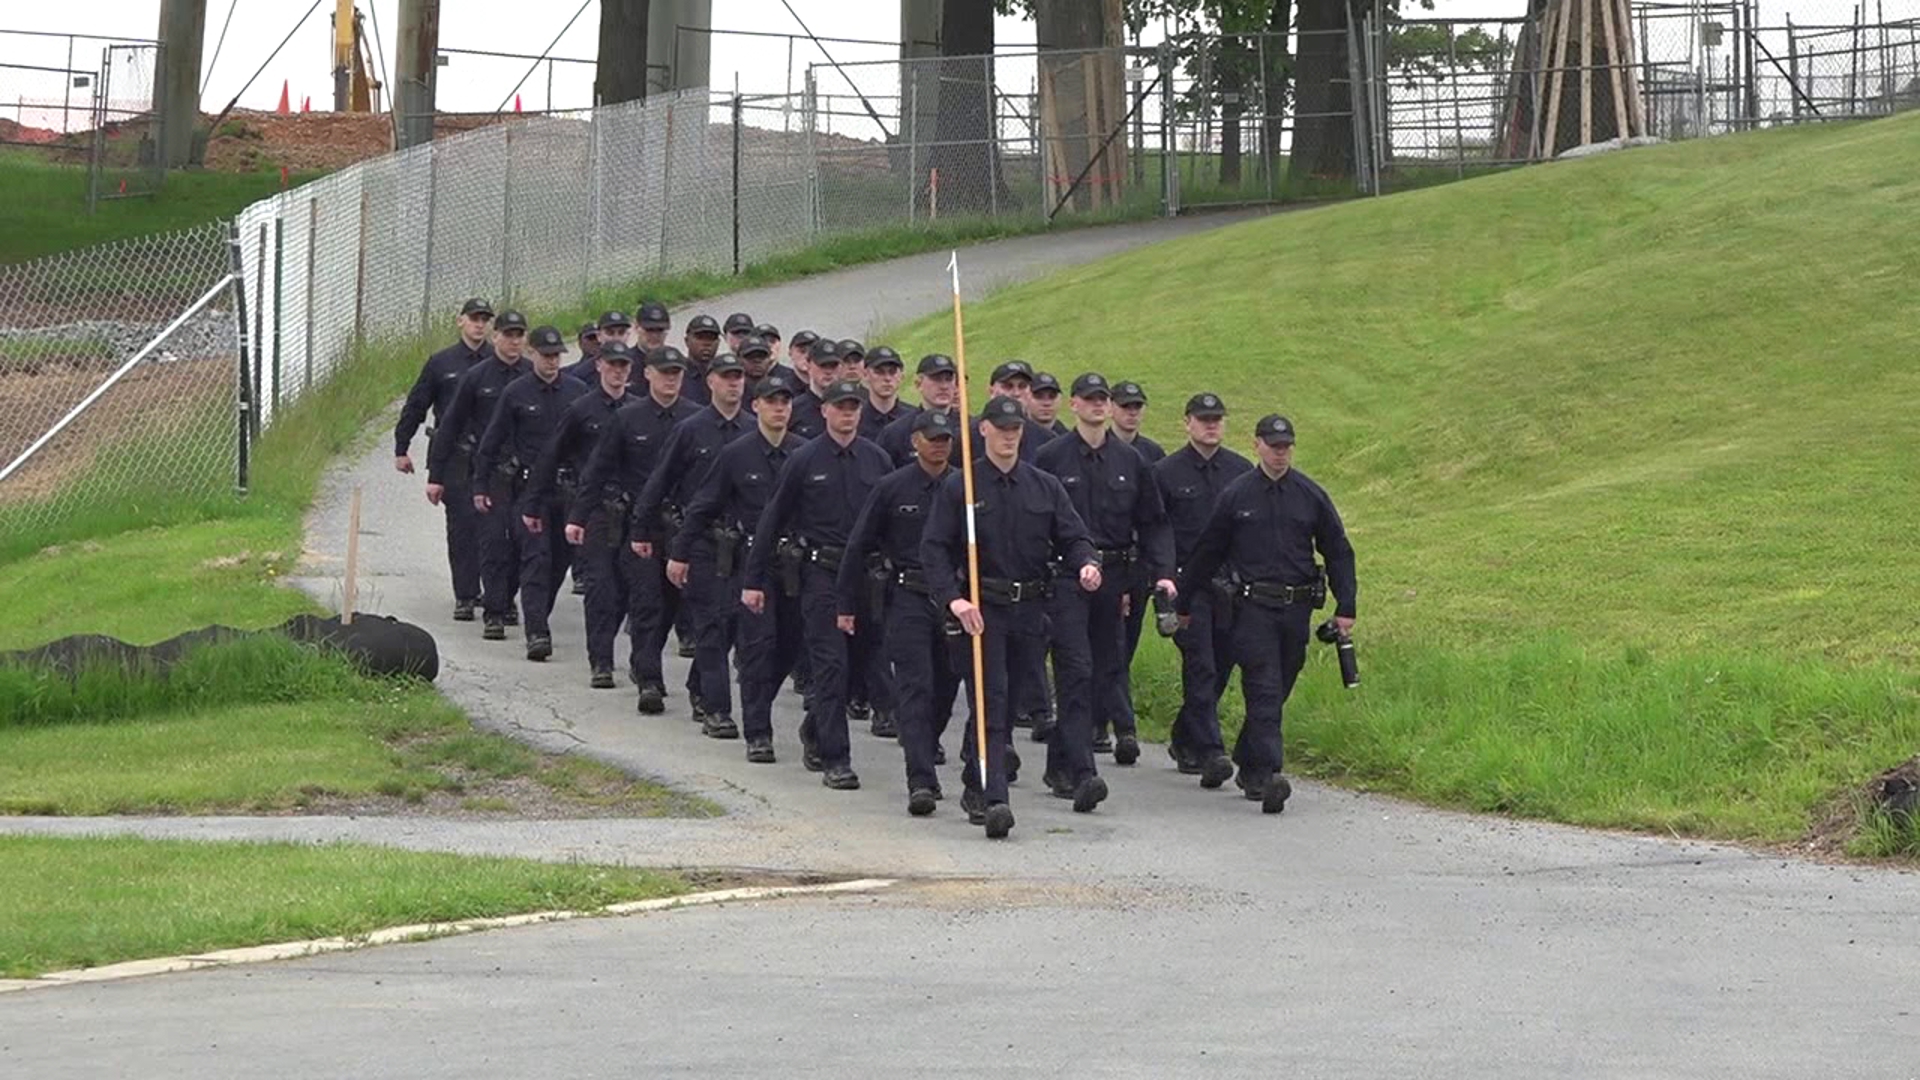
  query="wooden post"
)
[
  {"x": 1051, "y": 152},
  {"x": 1090, "y": 81},
  {"x": 1556, "y": 75},
  {"x": 1636, "y": 104},
  {"x": 1621, "y": 122},
  {"x": 352, "y": 586},
  {"x": 1586, "y": 70}
]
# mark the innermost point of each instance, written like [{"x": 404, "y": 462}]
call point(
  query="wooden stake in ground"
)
[
  {"x": 973, "y": 540},
  {"x": 351, "y": 589}
]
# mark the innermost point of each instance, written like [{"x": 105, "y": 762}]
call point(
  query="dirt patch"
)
[{"x": 154, "y": 401}]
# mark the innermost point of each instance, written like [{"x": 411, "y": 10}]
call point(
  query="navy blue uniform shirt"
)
[
  {"x": 736, "y": 490},
  {"x": 439, "y": 377},
  {"x": 476, "y": 394},
  {"x": 818, "y": 498},
  {"x": 892, "y": 523},
  {"x": 1267, "y": 531},
  {"x": 692, "y": 447},
  {"x": 1115, "y": 495},
  {"x": 525, "y": 421},
  {"x": 628, "y": 448},
  {"x": 1022, "y": 518},
  {"x": 1189, "y": 484},
  {"x": 571, "y": 446}
]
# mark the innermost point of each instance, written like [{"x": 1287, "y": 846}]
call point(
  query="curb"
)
[{"x": 394, "y": 935}]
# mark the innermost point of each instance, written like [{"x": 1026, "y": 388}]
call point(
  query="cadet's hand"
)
[
  {"x": 676, "y": 572},
  {"x": 1186, "y": 622},
  {"x": 435, "y": 492},
  {"x": 844, "y": 622},
  {"x": 1167, "y": 584},
  {"x": 402, "y": 463},
  {"x": 754, "y": 599},
  {"x": 643, "y": 549},
  {"x": 483, "y": 504},
  {"x": 969, "y": 617},
  {"x": 576, "y": 534},
  {"x": 1126, "y": 604},
  {"x": 1344, "y": 622},
  {"x": 534, "y": 525},
  {"x": 1090, "y": 578}
]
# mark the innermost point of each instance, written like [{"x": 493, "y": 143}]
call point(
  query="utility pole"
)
[
  {"x": 176, "y": 83},
  {"x": 416, "y": 71},
  {"x": 676, "y": 58},
  {"x": 621, "y": 74}
]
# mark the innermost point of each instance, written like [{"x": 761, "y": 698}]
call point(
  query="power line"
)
[
  {"x": 218, "y": 45},
  {"x": 298, "y": 23},
  {"x": 875, "y": 116},
  {"x": 379, "y": 50},
  {"x": 535, "y": 66}
]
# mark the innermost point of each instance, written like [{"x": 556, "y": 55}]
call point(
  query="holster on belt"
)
[
  {"x": 614, "y": 513},
  {"x": 959, "y": 649},
  {"x": 791, "y": 555},
  {"x": 1225, "y": 595},
  {"x": 825, "y": 556},
  {"x": 726, "y": 549},
  {"x": 879, "y": 576}
]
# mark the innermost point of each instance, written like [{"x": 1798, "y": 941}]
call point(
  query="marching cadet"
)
[
  {"x": 799, "y": 350},
  {"x": 557, "y": 479},
  {"x": 450, "y": 469},
  {"x": 654, "y": 324},
  {"x": 1043, "y": 402},
  {"x": 1024, "y": 524},
  {"x": 1116, "y": 497},
  {"x": 891, "y": 526},
  {"x": 823, "y": 368},
  {"x": 853, "y": 360},
  {"x": 756, "y": 361},
  {"x": 1129, "y": 402},
  {"x": 703, "y": 344},
  {"x": 588, "y": 342},
  {"x": 726, "y": 508},
  {"x": 615, "y": 326},
  {"x": 770, "y": 334},
  {"x": 883, "y": 407},
  {"x": 936, "y": 380},
  {"x": 1033, "y": 698},
  {"x": 709, "y": 589},
  {"x": 1264, "y": 530},
  {"x": 812, "y": 510},
  {"x": 1014, "y": 379},
  {"x": 433, "y": 390},
  {"x": 1191, "y": 479},
  {"x": 526, "y": 420},
  {"x": 635, "y": 587},
  {"x": 738, "y": 327}
]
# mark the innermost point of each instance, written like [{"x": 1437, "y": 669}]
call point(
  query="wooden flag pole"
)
[
  {"x": 973, "y": 541},
  {"x": 352, "y": 587}
]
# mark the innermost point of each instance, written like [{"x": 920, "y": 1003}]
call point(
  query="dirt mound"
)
[
  {"x": 13, "y": 132},
  {"x": 252, "y": 141}
]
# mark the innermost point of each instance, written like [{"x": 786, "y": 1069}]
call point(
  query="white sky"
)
[{"x": 468, "y": 82}]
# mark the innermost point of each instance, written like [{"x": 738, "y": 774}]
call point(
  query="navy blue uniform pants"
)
[
  {"x": 713, "y": 603},
  {"x": 826, "y": 648},
  {"x": 463, "y": 533},
  {"x": 544, "y": 558},
  {"x": 1070, "y": 747},
  {"x": 1270, "y": 645},
  {"x": 653, "y": 605},
  {"x": 1141, "y": 591},
  {"x": 768, "y": 645},
  {"x": 1014, "y": 632},
  {"x": 499, "y": 557},
  {"x": 913, "y": 630},
  {"x": 598, "y": 564},
  {"x": 1206, "y": 663}
]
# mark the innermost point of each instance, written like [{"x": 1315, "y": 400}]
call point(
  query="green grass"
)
[
  {"x": 86, "y": 902},
  {"x": 45, "y": 210},
  {"x": 1601, "y": 430},
  {"x": 264, "y": 725}
]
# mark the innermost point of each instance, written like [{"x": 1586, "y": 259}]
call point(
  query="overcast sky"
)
[{"x": 468, "y": 82}]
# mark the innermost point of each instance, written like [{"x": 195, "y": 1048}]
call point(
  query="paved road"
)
[{"x": 1174, "y": 933}]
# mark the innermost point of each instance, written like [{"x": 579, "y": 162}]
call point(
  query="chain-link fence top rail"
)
[
  {"x": 49, "y": 83},
  {"x": 67, "y": 324}
]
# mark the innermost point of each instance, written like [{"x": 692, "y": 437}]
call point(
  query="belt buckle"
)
[{"x": 1018, "y": 593}]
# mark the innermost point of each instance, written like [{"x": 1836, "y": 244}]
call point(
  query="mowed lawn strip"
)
[
  {"x": 1623, "y": 445},
  {"x": 83, "y": 902}
]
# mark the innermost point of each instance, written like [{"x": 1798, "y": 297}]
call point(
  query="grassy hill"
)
[
  {"x": 45, "y": 208},
  {"x": 1625, "y": 447}
]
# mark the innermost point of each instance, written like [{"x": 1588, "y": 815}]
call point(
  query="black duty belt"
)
[
  {"x": 1273, "y": 592},
  {"x": 1116, "y": 556},
  {"x": 825, "y": 556},
  {"x": 911, "y": 579},
  {"x": 1003, "y": 591}
]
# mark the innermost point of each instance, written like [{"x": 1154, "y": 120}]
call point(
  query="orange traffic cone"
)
[
  {"x": 286, "y": 105},
  {"x": 283, "y": 178},
  {"x": 516, "y": 103},
  {"x": 306, "y": 104}
]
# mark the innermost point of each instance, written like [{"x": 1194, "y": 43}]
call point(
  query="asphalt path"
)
[{"x": 1175, "y": 932}]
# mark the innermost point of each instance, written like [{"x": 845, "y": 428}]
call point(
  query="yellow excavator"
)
[{"x": 354, "y": 87}]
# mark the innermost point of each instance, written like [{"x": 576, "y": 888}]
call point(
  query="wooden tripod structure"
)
[{"x": 1576, "y": 81}]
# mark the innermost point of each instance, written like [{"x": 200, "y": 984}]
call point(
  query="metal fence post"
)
[
  {"x": 243, "y": 405},
  {"x": 1169, "y": 163},
  {"x": 279, "y": 295},
  {"x": 736, "y": 183},
  {"x": 259, "y": 323},
  {"x": 993, "y": 137},
  {"x": 426, "y": 268},
  {"x": 506, "y": 222},
  {"x": 913, "y": 150},
  {"x": 360, "y": 275},
  {"x": 313, "y": 229}
]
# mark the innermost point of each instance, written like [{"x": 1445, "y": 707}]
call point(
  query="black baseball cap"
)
[
  {"x": 934, "y": 425},
  {"x": 1274, "y": 430},
  {"x": 843, "y": 390},
  {"x": 774, "y": 384},
  {"x": 510, "y": 320},
  {"x": 1128, "y": 393},
  {"x": 612, "y": 319},
  {"x": 850, "y": 348},
  {"x": 1044, "y": 382},
  {"x": 653, "y": 316},
  {"x": 804, "y": 339},
  {"x": 1091, "y": 384},
  {"x": 883, "y": 356},
  {"x": 1206, "y": 406},
  {"x": 824, "y": 349},
  {"x": 767, "y": 330},
  {"x": 617, "y": 352},
  {"x": 1004, "y": 413},
  {"x": 724, "y": 363},
  {"x": 547, "y": 340},
  {"x": 477, "y": 306},
  {"x": 739, "y": 321},
  {"x": 703, "y": 324},
  {"x": 755, "y": 344},
  {"x": 935, "y": 364},
  {"x": 1013, "y": 369},
  {"x": 588, "y": 330},
  {"x": 665, "y": 357}
]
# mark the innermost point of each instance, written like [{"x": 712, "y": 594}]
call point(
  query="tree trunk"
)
[
  {"x": 1279, "y": 71},
  {"x": 1073, "y": 127},
  {"x": 964, "y": 151},
  {"x": 1323, "y": 97},
  {"x": 621, "y": 74}
]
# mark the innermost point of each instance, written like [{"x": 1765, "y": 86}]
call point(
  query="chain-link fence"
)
[
  {"x": 118, "y": 379},
  {"x": 76, "y": 99}
]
